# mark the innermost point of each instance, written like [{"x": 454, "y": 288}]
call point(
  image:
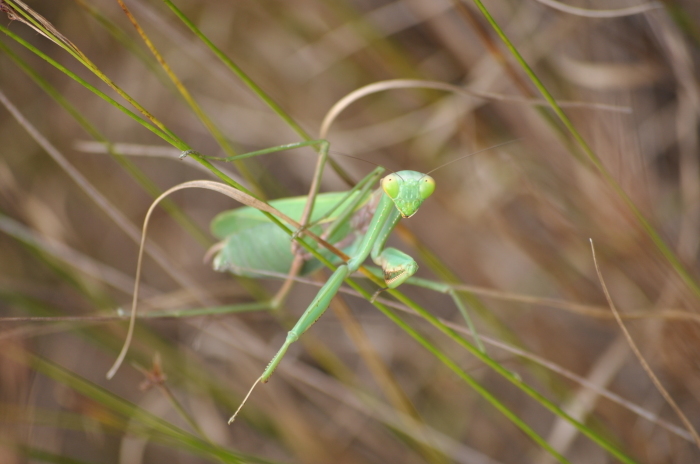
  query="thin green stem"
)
[
  {"x": 508, "y": 375},
  {"x": 50, "y": 32},
  {"x": 665, "y": 250},
  {"x": 146, "y": 183},
  {"x": 189, "y": 99},
  {"x": 255, "y": 88},
  {"x": 184, "y": 439},
  {"x": 153, "y": 128}
]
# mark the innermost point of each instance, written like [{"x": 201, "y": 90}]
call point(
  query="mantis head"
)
[{"x": 408, "y": 189}]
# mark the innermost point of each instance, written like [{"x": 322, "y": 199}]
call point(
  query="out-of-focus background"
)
[{"x": 512, "y": 223}]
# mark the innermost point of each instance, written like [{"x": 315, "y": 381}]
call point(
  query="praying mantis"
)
[
  {"x": 248, "y": 239},
  {"x": 403, "y": 193},
  {"x": 252, "y": 245}
]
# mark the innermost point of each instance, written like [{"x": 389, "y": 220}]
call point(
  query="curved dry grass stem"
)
[
  {"x": 639, "y": 356},
  {"x": 591, "y": 13},
  {"x": 381, "y": 86},
  {"x": 230, "y": 192}
]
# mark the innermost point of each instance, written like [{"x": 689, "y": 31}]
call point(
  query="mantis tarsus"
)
[{"x": 400, "y": 196}]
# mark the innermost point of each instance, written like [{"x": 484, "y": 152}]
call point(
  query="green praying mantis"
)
[{"x": 253, "y": 246}]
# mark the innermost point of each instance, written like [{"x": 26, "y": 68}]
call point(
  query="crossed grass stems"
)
[{"x": 153, "y": 124}]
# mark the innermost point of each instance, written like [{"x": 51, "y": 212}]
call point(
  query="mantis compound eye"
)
[
  {"x": 427, "y": 186},
  {"x": 390, "y": 185}
]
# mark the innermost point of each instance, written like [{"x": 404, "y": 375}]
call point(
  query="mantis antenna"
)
[
  {"x": 439, "y": 167},
  {"x": 472, "y": 154}
]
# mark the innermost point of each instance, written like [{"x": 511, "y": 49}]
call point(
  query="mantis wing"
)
[{"x": 250, "y": 241}]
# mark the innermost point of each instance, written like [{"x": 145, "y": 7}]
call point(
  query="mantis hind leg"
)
[{"x": 315, "y": 310}]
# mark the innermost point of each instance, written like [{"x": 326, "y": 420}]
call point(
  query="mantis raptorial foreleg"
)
[{"x": 385, "y": 214}]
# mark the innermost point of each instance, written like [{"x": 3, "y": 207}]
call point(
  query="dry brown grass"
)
[{"x": 515, "y": 222}]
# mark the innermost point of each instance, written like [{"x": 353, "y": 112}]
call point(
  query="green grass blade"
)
[
  {"x": 230, "y": 64},
  {"x": 138, "y": 175},
  {"x": 184, "y": 439},
  {"x": 153, "y": 128},
  {"x": 254, "y": 87},
  {"x": 655, "y": 237}
]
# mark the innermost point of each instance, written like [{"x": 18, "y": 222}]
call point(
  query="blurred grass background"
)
[{"x": 512, "y": 223}]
